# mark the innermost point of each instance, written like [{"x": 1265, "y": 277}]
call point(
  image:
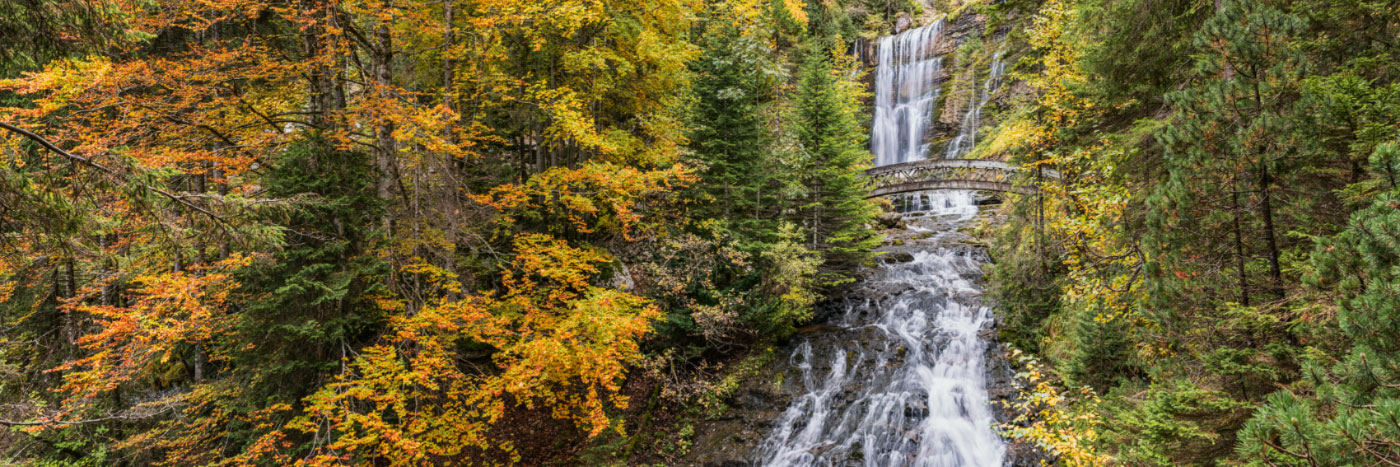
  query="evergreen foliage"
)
[
  {"x": 1345, "y": 411},
  {"x": 1195, "y": 242},
  {"x": 729, "y": 137},
  {"x": 832, "y": 138},
  {"x": 314, "y": 296}
]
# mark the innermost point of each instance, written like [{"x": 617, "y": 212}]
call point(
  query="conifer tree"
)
[
  {"x": 1102, "y": 351},
  {"x": 728, "y": 134},
  {"x": 1350, "y": 417},
  {"x": 315, "y": 294},
  {"x": 1216, "y": 225},
  {"x": 829, "y": 129}
]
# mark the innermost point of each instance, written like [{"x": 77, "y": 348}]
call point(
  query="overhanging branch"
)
[{"x": 102, "y": 168}]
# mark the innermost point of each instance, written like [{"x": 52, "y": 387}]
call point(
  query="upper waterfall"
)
[{"x": 905, "y": 92}]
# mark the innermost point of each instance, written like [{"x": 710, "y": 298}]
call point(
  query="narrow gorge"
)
[{"x": 896, "y": 372}]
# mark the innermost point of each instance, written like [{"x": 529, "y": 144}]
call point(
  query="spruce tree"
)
[
  {"x": 1102, "y": 351},
  {"x": 315, "y": 296},
  {"x": 835, "y": 210},
  {"x": 728, "y": 135}
]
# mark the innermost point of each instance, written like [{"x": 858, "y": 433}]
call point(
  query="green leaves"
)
[{"x": 1206, "y": 250}]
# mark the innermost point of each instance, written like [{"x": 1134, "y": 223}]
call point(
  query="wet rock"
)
[
  {"x": 947, "y": 45},
  {"x": 967, "y": 24},
  {"x": 753, "y": 399},
  {"x": 896, "y": 257},
  {"x": 959, "y": 97},
  {"x": 621, "y": 277},
  {"x": 867, "y": 53},
  {"x": 728, "y": 464},
  {"x": 821, "y": 328},
  {"x": 1020, "y": 90},
  {"x": 891, "y": 220}
]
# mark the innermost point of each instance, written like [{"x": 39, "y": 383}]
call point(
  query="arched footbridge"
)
[{"x": 954, "y": 174}]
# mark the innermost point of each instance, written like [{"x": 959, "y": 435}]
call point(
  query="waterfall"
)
[
  {"x": 935, "y": 203},
  {"x": 904, "y": 383},
  {"x": 905, "y": 91},
  {"x": 967, "y": 129}
]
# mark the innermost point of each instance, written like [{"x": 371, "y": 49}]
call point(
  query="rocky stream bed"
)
[{"x": 755, "y": 429}]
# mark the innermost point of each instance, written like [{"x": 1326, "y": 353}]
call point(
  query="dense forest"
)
[
  {"x": 565, "y": 232},
  {"x": 1218, "y": 268}
]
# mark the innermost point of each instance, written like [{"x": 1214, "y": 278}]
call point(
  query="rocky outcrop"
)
[
  {"x": 902, "y": 22},
  {"x": 955, "y": 101}
]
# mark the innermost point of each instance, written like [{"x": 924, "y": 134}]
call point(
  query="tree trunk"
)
[
  {"x": 1239, "y": 244},
  {"x": 386, "y": 148},
  {"x": 448, "y": 41},
  {"x": 198, "y": 361},
  {"x": 70, "y": 320},
  {"x": 319, "y": 76},
  {"x": 1040, "y": 223},
  {"x": 385, "y": 144},
  {"x": 1265, "y": 205}
]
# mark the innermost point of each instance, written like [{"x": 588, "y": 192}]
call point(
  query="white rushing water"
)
[
  {"x": 967, "y": 131},
  {"x": 905, "y": 92},
  {"x": 904, "y": 383},
  {"x": 936, "y": 203}
]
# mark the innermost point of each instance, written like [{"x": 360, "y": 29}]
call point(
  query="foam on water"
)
[{"x": 910, "y": 391}]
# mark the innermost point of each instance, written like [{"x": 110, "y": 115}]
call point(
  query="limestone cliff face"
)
[{"x": 960, "y": 91}]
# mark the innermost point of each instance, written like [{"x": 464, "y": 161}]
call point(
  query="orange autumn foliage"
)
[
  {"x": 559, "y": 342},
  {"x": 203, "y": 96},
  {"x": 164, "y": 311},
  {"x": 584, "y": 200}
]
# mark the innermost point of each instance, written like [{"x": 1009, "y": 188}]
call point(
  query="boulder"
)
[
  {"x": 902, "y": 23},
  {"x": 890, "y": 220}
]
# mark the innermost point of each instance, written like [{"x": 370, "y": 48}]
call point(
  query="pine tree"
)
[
  {"x": 1219, "y": 210},
  {"x": 1350, "y": 417}
]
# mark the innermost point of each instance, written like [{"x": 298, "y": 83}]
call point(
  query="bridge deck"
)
[{"x": 952, "y": 174}]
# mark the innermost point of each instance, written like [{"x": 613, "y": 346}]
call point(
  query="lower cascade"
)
[{"x": 911, "y": 389}]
